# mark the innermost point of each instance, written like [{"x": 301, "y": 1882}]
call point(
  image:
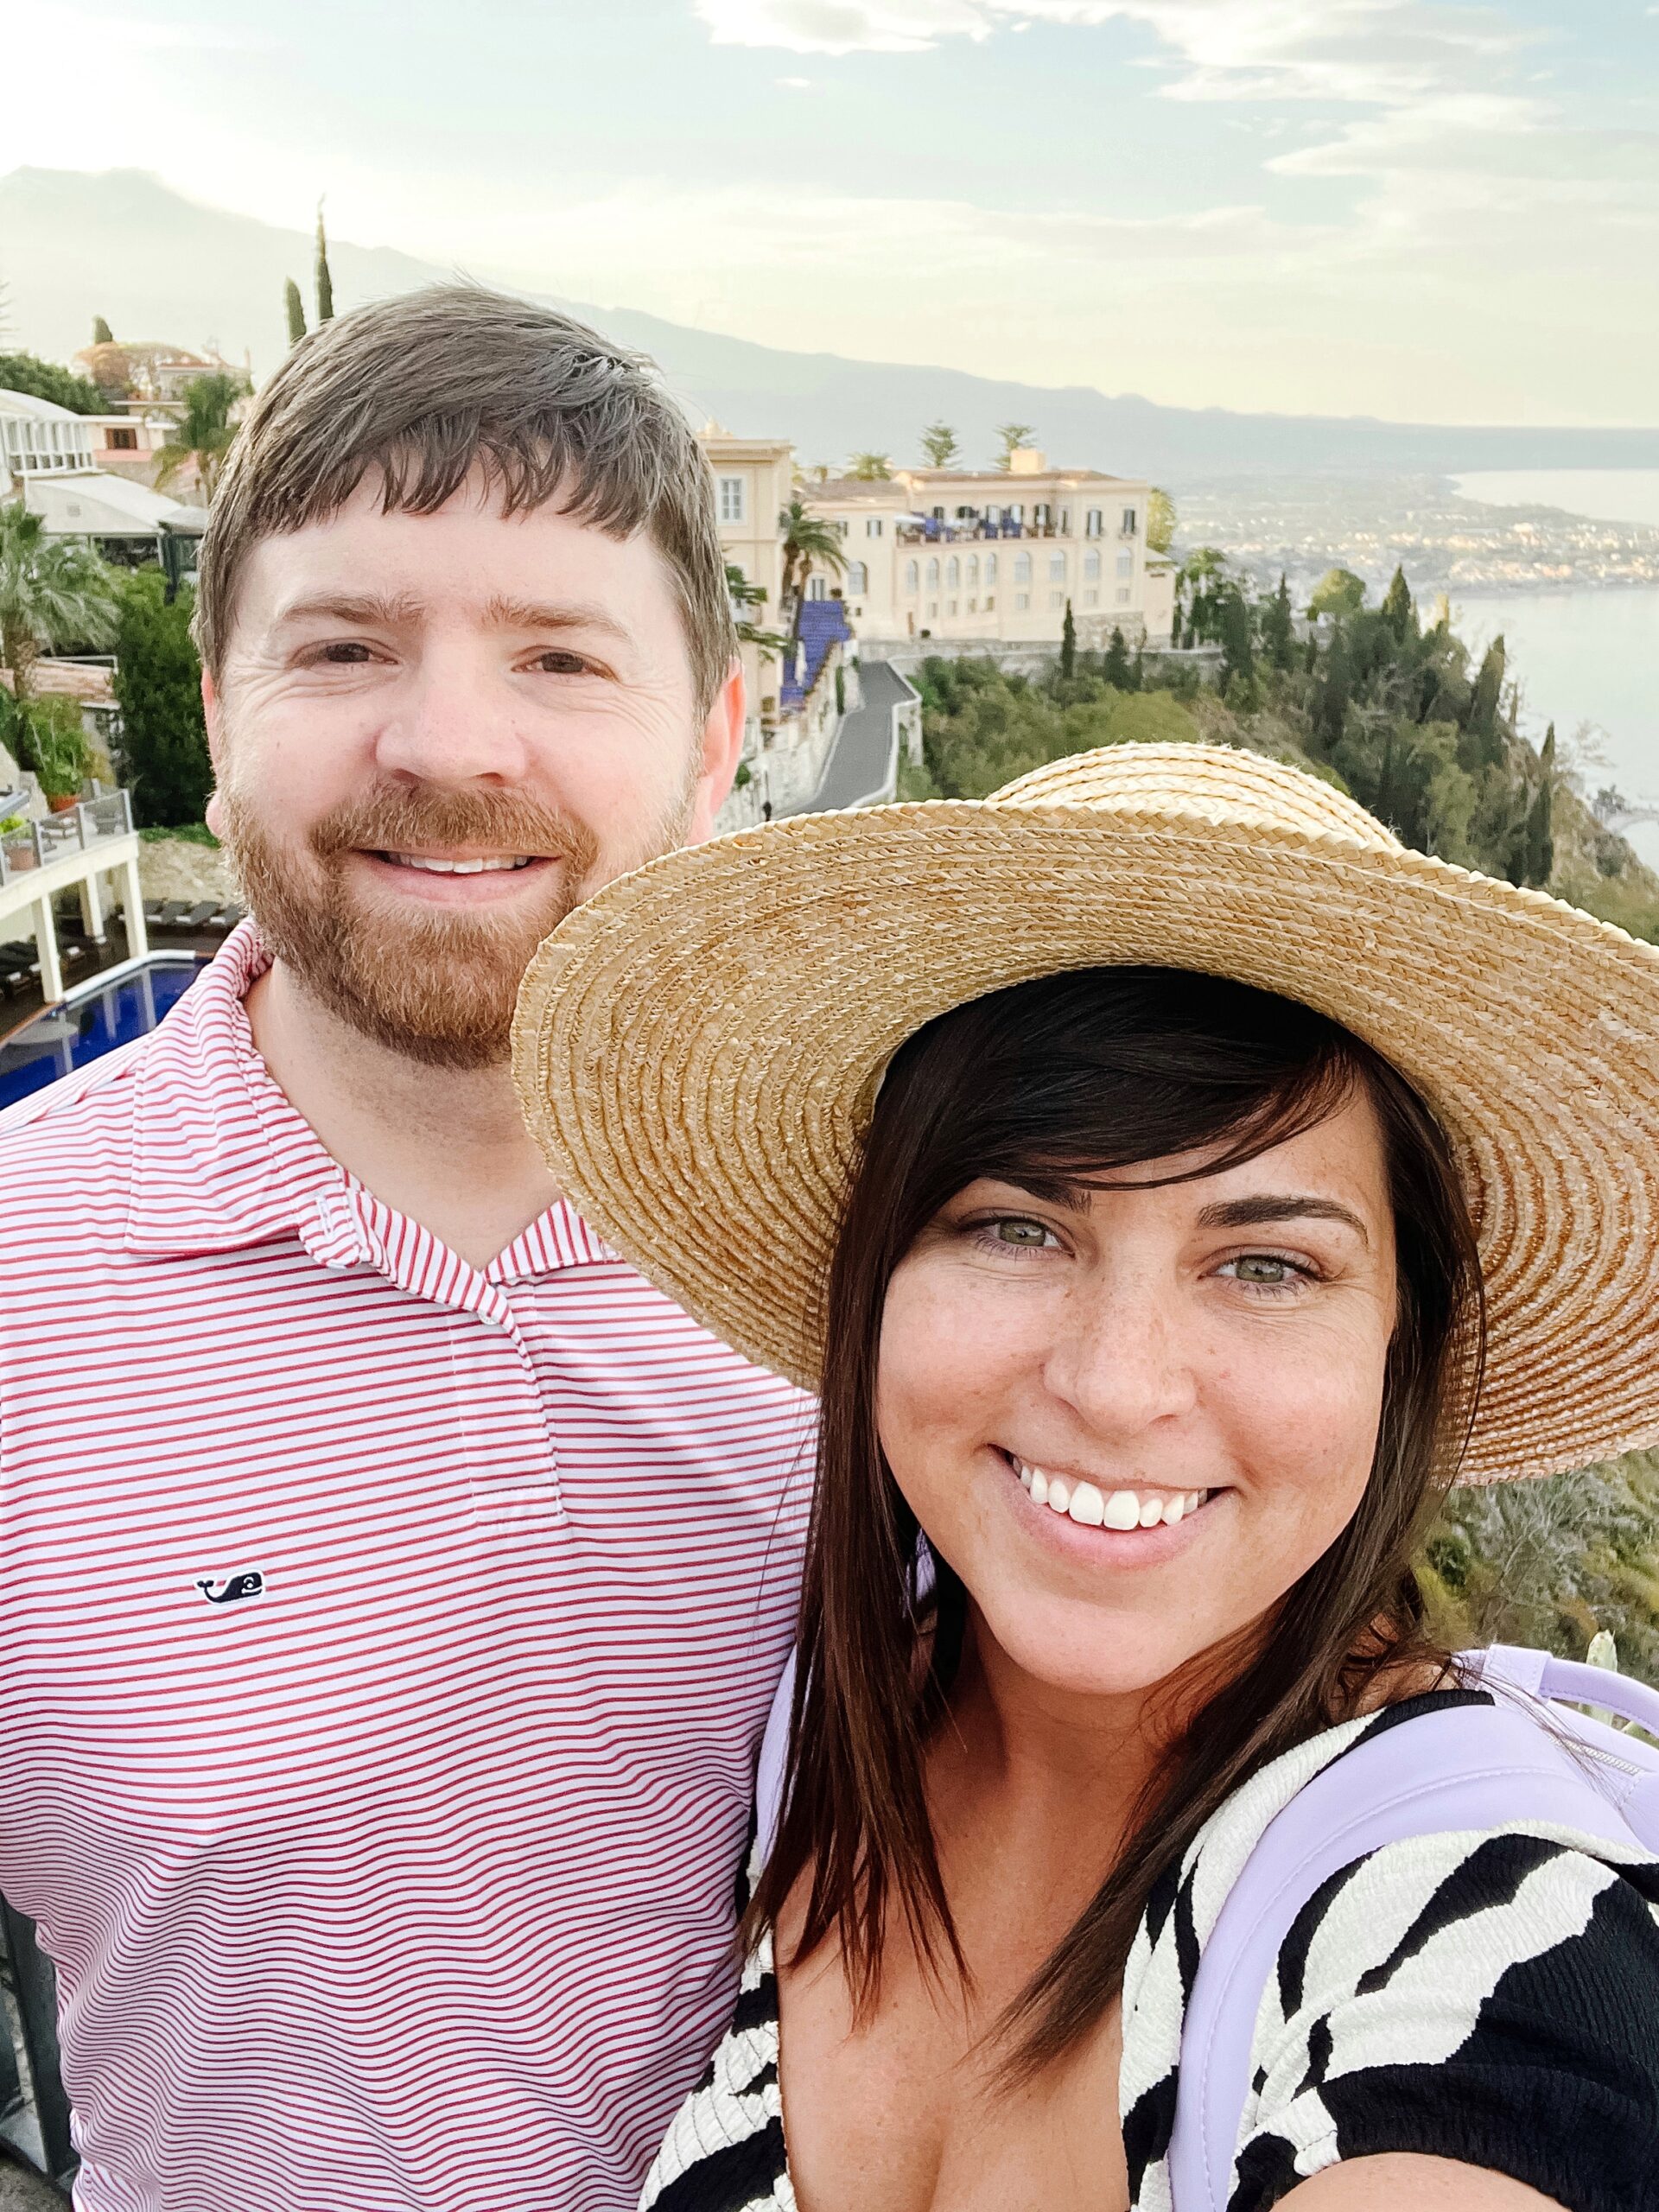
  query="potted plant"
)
[{"x": 54, "y": 746}]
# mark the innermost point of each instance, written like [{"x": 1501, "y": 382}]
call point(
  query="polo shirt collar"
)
[{"x": 222, "y": 1160}]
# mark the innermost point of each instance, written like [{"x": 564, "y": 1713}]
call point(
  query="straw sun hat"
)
[{"x": 697, "y": 1047}]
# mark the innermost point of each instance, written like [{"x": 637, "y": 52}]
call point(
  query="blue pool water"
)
[{"x": 92, "y": 1021}]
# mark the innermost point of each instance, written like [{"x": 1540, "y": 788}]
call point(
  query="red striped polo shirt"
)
[{"x": 384, "y": 1649}]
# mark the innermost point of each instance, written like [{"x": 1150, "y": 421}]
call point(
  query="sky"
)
[{"x": 1419, "y": 209}]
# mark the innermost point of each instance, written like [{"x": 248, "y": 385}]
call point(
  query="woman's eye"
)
[
  {"x": 1265, "y": 1271},
  {"x": 1013, "y": 1230}
]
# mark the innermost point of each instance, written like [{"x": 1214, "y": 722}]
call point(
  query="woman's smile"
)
[{"x": 1110, "y": 1525}]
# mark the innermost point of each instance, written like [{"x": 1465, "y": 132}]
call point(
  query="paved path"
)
[
  {"x": 857, "y": 769},
  {"x": 21, "y": 2191}
]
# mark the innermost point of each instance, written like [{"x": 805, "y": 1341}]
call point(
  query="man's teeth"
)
[
  {"x": 1118, "y": 1509},
  {"x": 461, "y": 867}
]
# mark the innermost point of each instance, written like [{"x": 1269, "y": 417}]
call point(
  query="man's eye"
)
[
  {"x": 557, "y": 662},
  {"x": 343, "y": 653}
]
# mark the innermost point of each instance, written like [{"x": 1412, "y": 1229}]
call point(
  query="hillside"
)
[{"x": 156, "y": 265}]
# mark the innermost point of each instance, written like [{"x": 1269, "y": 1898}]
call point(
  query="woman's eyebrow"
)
[{"x": 1254, "y": 1213}]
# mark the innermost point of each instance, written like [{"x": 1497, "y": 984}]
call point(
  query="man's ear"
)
[
  {"x": 213, "y": 715},
  {"x": 722, "y": 748}
]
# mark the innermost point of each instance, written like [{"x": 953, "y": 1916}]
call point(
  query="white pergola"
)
[{"x": 90, "y": 848}]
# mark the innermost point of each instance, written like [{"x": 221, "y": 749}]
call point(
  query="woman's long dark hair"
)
[{"x": 1042, "y": 1085}]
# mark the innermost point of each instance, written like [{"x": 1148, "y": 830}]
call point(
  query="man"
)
[{"x": 392, "y": 1584}]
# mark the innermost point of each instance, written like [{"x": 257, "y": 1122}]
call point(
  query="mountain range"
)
[{"x": 157, "y": 265}]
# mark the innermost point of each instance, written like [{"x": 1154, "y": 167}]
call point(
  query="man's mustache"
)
[{"x": 414, "y": 820}]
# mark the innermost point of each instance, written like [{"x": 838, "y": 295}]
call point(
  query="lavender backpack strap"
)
[{"x": 1472, "y": 1766}]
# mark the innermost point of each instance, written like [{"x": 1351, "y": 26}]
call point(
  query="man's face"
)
[{"x": 436, "y": 735}]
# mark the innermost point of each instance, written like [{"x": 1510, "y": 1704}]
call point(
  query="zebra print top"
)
[{"x": 1488, "y": 1998}]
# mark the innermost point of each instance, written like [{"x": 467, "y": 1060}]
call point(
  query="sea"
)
[{"x": 1587, "y": 659}]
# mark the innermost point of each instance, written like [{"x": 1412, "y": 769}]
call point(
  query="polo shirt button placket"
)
[{"x": 512, "y": 1468}]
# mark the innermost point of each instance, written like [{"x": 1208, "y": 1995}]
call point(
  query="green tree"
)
[
  {"x": 38, "y": 379},
  {"x": 1012, "y": 436},
  {"x": 809, "y": 543},
  {"x": 102, "y": 334},
  {"x": 1206, "y": 576},
  {"x": 940, "y": 446},
  {"x": 204, "y": 434},
  {"x": 1398, "y": 611},
  {"x": 1278, "y": 628},
  {"x": 158, "y": 690},
  {"x": 1161, "y": 520},
  {"x": 1238, "y": 651},
  {"x": 52, "y": 741},
  {"x": 325, "y": 282},
  {"x": 1068, "y": 644},
  {"x": 745, "y": 596},
  {"x": 870, "y": 468},
  {"x": 1338, "y": 592},
  {"x": 53, "y": 592},
  {"x": 1540, "y": 817},
  {"x": 1483, "y": 745},
  {"x": 295, "y": 307},
  {"x": 1116, "y": 668}
]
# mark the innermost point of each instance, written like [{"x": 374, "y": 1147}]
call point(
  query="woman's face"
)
[{"x": 1132, "y": 1420}]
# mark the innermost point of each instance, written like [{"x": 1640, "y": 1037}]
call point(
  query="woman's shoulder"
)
[{"x": 724, "y": 2151}]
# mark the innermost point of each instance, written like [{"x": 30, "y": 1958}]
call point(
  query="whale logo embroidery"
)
[{"x": 236, "y": 1586}]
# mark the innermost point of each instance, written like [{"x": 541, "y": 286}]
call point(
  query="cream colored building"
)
[{"x": 963, "y": 556}]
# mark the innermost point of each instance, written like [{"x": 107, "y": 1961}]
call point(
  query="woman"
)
[{"x": 1148, "y": 1305}]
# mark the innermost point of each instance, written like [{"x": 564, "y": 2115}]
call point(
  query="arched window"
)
[
  {"x": 973, "y": 570},
  {"x": 912, "y": 576},
  {"x": 1022, "y": 568},
  {"x": 858, "y": 580},
  {"x": 1092, "y": 562},
  {"x": 952, "y": 573},
  {"x": 990, "y": 569},
  {"x": 934, "y": 574},
  {"x": 1056, "y": 568}
]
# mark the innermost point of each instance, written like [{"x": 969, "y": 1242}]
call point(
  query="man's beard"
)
[{"x": 438, "y": 986}]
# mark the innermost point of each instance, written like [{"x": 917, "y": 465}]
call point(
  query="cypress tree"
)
[
  {"x": 1237, "y": 659},
  {"x": 1485, "y": 746},
  {"x": 1278, "y": 629},
  {"x": 296, "y": 306},
  {"x": 325, "y": 282},
  {"x": 1540, "y": 823},
  {"x": 1069, "y": 645},
  {"x": 1397, "y": 610},
  {"x": 1115, "y": 667},
  {"x": 158, "y": 690},
  {"x": 102, "y": 334}
]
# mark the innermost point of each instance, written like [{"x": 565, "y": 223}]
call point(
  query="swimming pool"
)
[{"x": 104, "y": 1013}]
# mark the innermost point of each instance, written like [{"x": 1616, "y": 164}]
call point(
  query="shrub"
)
[{"x": 158, "y": 688}]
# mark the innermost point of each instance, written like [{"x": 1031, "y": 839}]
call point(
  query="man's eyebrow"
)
[
  {"x": 367, "y": 610},
  {"x": 1270, "y": 1206},
  {"x": 551, "y": 614}
]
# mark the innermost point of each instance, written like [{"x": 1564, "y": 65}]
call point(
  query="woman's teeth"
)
[{"x": 1117, "y": 1508}]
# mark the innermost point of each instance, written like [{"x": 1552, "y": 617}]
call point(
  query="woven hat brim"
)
[{"x": 696, "y": 1048}]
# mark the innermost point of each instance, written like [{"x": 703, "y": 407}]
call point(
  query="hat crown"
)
[{"x": 1207, "y": 783}]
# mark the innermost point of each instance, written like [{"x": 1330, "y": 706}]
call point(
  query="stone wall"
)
[{"x": 177, "y": 867}]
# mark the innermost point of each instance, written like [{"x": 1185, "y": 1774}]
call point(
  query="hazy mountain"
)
[{"x": 155, "y": 265}]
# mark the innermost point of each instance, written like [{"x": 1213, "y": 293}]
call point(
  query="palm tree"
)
[
  {"x": 808, "y": 542},
  {"x": 870, "y": 467},
  {"x": 204, "y": 434},
  {"x": 52, "y": 593}
]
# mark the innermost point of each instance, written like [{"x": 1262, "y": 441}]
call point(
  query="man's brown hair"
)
[{"x": 421, "y": 389}]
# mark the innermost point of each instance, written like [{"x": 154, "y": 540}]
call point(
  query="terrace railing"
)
[{"x": 78, "y": 829}]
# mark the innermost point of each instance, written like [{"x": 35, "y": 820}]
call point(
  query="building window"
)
[
  {"x": 932, "y": 609},
  {"x": 1057, "y": 598},
  {"x": 858, "y": 579},
  {"x": 912, "y": 576},
  {"x": 1022, "y": 568},
  {"x": 991, "y": 601},
  {"x": 1041, "y": 515},
  {"x": 990, "y": 571},
  {"x": 950, "y": 607},
  {"x": 1056, "y": 568},
  {"x": 952, "y": 573},
  {"x": 1130, "y": 522},
  {"x": 938, "y": 514},
  {"x": 1016, "y": 512},
  {"x": 1094, "y": 523},
  {"x": 1126, "y": 564},
  {"x": 817, "y": 588},
  {"x": 993, "y": 514},
  {"x": 733, "y": 500},
  {"x": 1122, "y": 597},
  {"x": 934, "y": 577},
  {"x": 1091, "y": 564},
  {"x": 1065, "y": 522},
  {"x": 973, "y": 570},
  {"x": 1091, "y": 599},
  {"x": 1021, "y": 602},
  {"x": 842, "y": 529},
  {"x": 124, "y": 441},
  {"x": 973, "y": 606},
  {"x": 873, "y": 528}
]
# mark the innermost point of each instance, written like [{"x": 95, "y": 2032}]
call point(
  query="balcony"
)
[{"x": 71, "y": 851}]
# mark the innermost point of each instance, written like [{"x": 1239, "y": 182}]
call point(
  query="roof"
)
[
  {"x": 43, "y": 410},
  {"x": 882, "y": 489},
  {"x": 92, "y": 684},
  {"x": 1010, "y": 476},
  {"x": 94, "y": 503}
]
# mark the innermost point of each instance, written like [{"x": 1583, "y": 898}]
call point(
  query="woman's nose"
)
[{"x": 1123, "y": 1363}]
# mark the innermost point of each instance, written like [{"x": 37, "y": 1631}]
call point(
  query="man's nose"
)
[
  {"x": 1124, "y": 1360},
  {"x": 452, "y": 721}
]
